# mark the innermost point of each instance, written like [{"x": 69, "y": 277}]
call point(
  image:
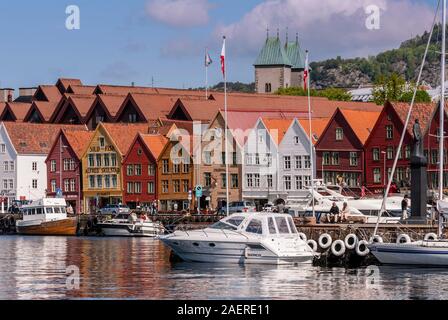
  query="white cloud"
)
[
  {"x": 335, "y": 27},
  {"x": 179, "y": 13}
]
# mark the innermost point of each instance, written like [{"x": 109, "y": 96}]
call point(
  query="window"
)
[
  {"x": 102, "y": 142},
  {"x": 223, "y": 180},
  {"x": 298, "y": 162},
  {"x": 287, "y": 182},
  {"x": 282, "y": 225},
  {"x": 389, "y": 132},
  {"x": 307, "y": 162},
  {"x": 207, "y": 179},
  {"x": 53, "y": 185},
  {"x": 66, "y": 185},
  {"x": 326, "y": 158},
  {"x": 165, "y": 166},
  {"x": 113, "y": 159},
  {"x": 53, "y": 166},
  {"x": 269, "y": 159},
  {"x": 208, "y": 157},
  {"x": 3, "y": 148},
  {"x": 296, "y": 140},
  {"x": 249, "y": 159},
  {"x": 255, "y": 226},
  {"x": 267, "y": 87},
  {"x": 151, "y": 170},
  {"x": 99, "y": 160},
  {"x": 130, "y": 170},
  {"x": 234, "y": 178},
  {"x": 6, "y": 166},
  {"x": 249, "y": 180},
  {"x": 335, "y": 158},
  {"x": 34, "y": 183},
  {"x": 34, "y": 166},
  {"x": 114, "y": 181},
  {"x": 434, "y": 156},
  {"x": 5, "y": 184},
  {"x": 91, "y": 182},
  {"x": 339, "y": 134},
  {"x": 176, "y": 186},
  {"x": 269, "y": 179},
  {"x": 307, "y": 180},
  {"x": 377, "y": 175},
  {"x": 151, "y": 187},
  {"x": 234, "y": 162},
  {"x": 138, "y": 187},
  {"x": 106, "y": 160},
  {"x": 353, "y": 158},
  {"x": 390, "y": 153},
  {"x": 66, "y": 164},
  {"x": 287, "y": 162},
  {"x": 185, "y": 186},
  {"x": 107, "y": 181},
  {"x": 72, "y": 185},
  {"x": 257, "y": 159},
  {"x": 130, "y": 188},
  {"x": 164, "y": 186},
  {"x": 376, "y": 154},
  {"x": 186, "y": 168},
  {"x": 257, "y": 180},
  {"x": 176, "y": 168},
  {"x": 223, "y": 158},
  {"x": 299, "y": 182},
  {"x": 138, "y": 169},
  {"x": 11, "y": 165},
  {"x": 132, "y": 117},
  {"x": 407, "y": 152},
  {"x": 91, "y": 161},
  {"x": 99, "y": 181}
]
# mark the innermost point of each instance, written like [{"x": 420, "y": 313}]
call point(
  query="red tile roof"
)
[
  {"x": 112, "y": 103},
  {"x": 421, "y": 111},
  {"x": 2, "y": 107},
  {"x": 78, "y": 140},
  {"x": 51, "y": 93},
  {"x": 361, "y": 122},
  {"x": 277, "y": 128},
  {"x": 318, "y": 126},
  {"x": 153, "y": 106},
  {"x": 33, "y": 138},
  {"x": 76, "y": 89},
  {"x": 155, "y": 143},
  {"x": 123, "y": 134},
  {"x": 18, "y": 109},
  {"x": 45, "y": 109}
]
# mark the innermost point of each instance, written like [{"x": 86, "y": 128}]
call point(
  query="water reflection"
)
[{"x": 35, "y": 268}]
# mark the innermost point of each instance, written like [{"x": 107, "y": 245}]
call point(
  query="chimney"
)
[
  {"x": 27, "y": 92},
  {"x": 6, "y": 94}
]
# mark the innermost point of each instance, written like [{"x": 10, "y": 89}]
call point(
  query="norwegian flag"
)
[
  {"x": 306, "y": 73},
  {"x": 208, "y": 59},
  {"x": 223, "y": 57}
]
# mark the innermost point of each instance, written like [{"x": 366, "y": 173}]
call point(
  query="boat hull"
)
[
  {"x": 409, "y": 254},
  {"x": 126, "y": 230},
  {"x": 65, "y": 227}
]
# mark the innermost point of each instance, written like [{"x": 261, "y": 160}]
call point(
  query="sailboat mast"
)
[{"x": 442, "y": 102}]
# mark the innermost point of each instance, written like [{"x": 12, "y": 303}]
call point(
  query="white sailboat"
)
[{"x": 423, "y": 252}]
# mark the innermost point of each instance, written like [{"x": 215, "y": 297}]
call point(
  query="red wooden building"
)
[
  {"x": 340, "y": 149},
  {"x": 382, "y": 145},
  {"x": 64, "y": 170},
  {"x": 140, "y": 170}
]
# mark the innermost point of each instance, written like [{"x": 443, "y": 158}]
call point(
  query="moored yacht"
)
[
  {"x": 47, "y": 216},
  {"x": 124, "y": 225},
  {"x": 262, "y": 238}
]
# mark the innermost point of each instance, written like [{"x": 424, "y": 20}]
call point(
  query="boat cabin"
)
[
  {"x": 266, "y": 224},
  {"x": 48, "y": 209}
]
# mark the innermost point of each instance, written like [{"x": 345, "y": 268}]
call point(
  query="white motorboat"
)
[
  {"x": 261, "y": 238},
  {"x": 122, "y": 225}
]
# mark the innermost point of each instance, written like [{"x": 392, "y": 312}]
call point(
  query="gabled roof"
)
[
  {"x": 317, "y": 127},
  {"x": 43, "y": 108},
  {"x": 154, "y": 143},
  {"x": 273, "y": 53},
  {"x": 2, "y": 108},
  {"x": 50, "y": 93},
  {"x": 78, "y": 140},
  {"x": 123, "y": 134},
  {"x": 33, "y": 138},
  {"x": 77, "y": 89},
  {"x": 64, "y": 83},
  {"x": 112, "y": 103},
  {"x": 80, "y": 103},
  {"x": 361, "y": 122},
  {"x": 18, "y": 110},
  {"x": 280, "y": 126},
  {"x": 151, "y": 106},
  {"x": 421, "y": 111},
  {"x": 295, "y": 54},
  {"x": 196, "y": 109}
]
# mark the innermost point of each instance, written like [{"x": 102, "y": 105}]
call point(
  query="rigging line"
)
[{"x": 405, "y": 128}]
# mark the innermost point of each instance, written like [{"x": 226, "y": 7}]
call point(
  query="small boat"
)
[
  {"x": 47, "y": 216},
  {"x": 249, "y": 238},
  {"x": 123, "y": 225}
]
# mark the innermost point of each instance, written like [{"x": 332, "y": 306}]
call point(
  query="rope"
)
[{"x": 394, "y": 167}]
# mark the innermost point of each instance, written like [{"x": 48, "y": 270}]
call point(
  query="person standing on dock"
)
[{"x": 404, "y": 207}]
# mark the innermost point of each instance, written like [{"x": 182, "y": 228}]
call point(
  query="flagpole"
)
[
  {"x": 206, "y": 74},
  {"x": 225, "y": 122},
  {"x": 307, "y": 83}
]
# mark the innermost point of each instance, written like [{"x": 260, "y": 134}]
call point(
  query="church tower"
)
[
  {"x": 273, "y": 67},
  {"x": 297, "y": 57}
]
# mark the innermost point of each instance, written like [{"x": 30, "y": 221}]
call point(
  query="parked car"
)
[
  {"x": 114, "y": 209},
  {"x": 239, "y": 206}
]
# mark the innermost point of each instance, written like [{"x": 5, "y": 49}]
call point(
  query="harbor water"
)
[{"x": 122, "y": 268}]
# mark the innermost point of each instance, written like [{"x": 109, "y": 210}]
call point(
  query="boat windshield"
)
[
  {"x": 236, "y": 221},
  {"x": 222, "y": 225}
]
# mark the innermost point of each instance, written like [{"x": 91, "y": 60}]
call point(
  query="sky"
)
[{"x": 162, "y": 42}]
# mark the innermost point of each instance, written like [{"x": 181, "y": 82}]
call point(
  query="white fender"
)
[
  {"x": 403, "y": 238},
  {"x": 376, "y": 239},
  {"x": 312, "y": 244},
  {"x": 430, "y": 236},
  {"x": 362, "y": 248},
  {"x": 325, "y": 241},
  {"x": 303, "y": 236},
  {"x": 338, "y": 248},
  {"x": 351, "y": 240}
]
